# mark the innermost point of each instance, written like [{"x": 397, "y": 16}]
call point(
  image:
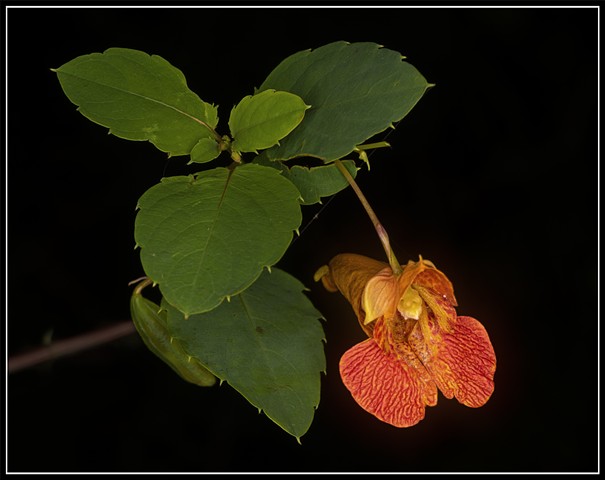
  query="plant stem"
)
[
  {"x": 70, "y": 346},
  {"x": 380, "y": 230}
]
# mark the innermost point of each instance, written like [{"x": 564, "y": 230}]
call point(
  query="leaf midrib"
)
[
  {"x": 135, "y": 94},
  {"x": 204, "y": 249}
]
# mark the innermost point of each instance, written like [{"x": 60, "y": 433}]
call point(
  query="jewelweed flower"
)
[{"x": 418, "y": 344}]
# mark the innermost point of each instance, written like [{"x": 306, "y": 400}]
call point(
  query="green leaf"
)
[
  {"x": 260, "y": 121},
  {"x": 267, "y": 343},
  {"x": 315, "y": 182},
  {"x": 204, "y": 151},
  {"x": 151, "y": 324},
  {"x": 356, "y": 89},
  {"x": 138, "y": 97},
  {"x": 208, "y": 237}
]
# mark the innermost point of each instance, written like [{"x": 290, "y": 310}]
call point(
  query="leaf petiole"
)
[
  {"x": 144, "y": 282},
  {"x": 371, "y": 146}
]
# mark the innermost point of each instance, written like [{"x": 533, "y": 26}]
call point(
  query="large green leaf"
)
[
  {"x": 356, "y": 91},
  {"x": 139, "y": 97},
  {"x": 150, "y": 321},
  {"x": 267, "y": 343},
  {"x": 208, "y": 237},
  {"x": 315, "y": 182},
  {"x": 260, "y": 121}
]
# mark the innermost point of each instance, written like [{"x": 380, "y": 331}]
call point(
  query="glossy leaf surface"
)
[
  {"x": 138, "y": 97},
  {"x": 260, "y": 121},
  {"x": 208, "y": 237},
  {"x": 266, "y": 343},
  {"x": 356, "y": 91}
]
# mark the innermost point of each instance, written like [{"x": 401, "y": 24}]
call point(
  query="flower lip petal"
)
[
  {"x": 464, "y": 363},
  {"x": 383, "y": 386}
]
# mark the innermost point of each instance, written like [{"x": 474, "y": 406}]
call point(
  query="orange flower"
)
[{"x": 417, "y": 343}]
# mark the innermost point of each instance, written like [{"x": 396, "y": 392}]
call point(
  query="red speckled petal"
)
[
  {"x": 462, "y": 362},
  {"x": 442, "y": 309},
  {"x": 437, "y": 281},
  {"x": 385, "y": 387}
]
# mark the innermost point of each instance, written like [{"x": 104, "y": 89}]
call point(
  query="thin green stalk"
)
[
  {"x": 380, "y": 230},
  {"x": 371, "y": 146}
]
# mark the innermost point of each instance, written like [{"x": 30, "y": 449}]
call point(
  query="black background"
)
[{"x": 492, "y": 176}]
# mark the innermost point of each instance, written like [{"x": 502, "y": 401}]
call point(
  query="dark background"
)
[{"x": 492, "y": 176}]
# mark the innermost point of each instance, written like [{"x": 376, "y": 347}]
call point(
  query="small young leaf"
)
[
  {"x": 151, "y": 324},
  {"x": 138, "y": 97},
  {"x": 205, "y": 150},
  {"x": 357, "y": 90},
  {"x": 206, "y": 238},
  {"x": 315, "y": 182},
  {"x": 260, "y": 121},
  {"x": 267, "y": 343}
]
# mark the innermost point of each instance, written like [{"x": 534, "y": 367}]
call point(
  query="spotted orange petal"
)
[
  {"x": 439, "y": 305},
  {"x": 384, "y": 386},
  {"x": 462, "y": 362},
  {"x": 436, "y": 280}
]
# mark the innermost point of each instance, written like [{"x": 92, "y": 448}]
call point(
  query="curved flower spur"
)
[{"x": 417, "y": 343}]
